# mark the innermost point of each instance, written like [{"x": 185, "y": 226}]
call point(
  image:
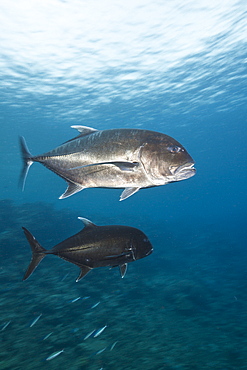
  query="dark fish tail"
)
[
  {"x": 38, "y": 253},
  {"x": 27, "y": 162}
]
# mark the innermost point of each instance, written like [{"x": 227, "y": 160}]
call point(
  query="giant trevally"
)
[
  {"x": 95, "y": 246},
  {"x": 119, "y": 158}
]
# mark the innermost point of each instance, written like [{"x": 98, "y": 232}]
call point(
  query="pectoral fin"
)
[
  {"x": 126, "y": 166},
  {"x": 128, "y": 192},
  {"x": 123, "y": 269},
  {"x": 84, "y": 271},
  {"x": 123, "y": 166},
  {"x": 71, "y": 189}
]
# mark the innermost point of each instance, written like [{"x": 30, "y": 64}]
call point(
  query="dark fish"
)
[
  {"x": 120, "y": 158},
  {"x": 95, "y": 246}
]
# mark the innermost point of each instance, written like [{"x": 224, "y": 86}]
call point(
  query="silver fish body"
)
[
  {"x": 95, "y": 246},
  {"x": 119, "y": 158}
]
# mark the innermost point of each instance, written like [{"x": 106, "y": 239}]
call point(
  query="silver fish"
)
[
  {"x": 100, "y": 351},
  {"x": 113, "y": 345},
  {"x": 48, "y": 335},
  {"x": 54, "y": 355},
  {"x": 5, "y": 325},
  {"x": 35, "y": 320},
  {"x": 95, "y": 305},
  {"x": 119, "y": 158},
  {"x": 89, "y": 334},
  {"x": 99, "y": 331}
]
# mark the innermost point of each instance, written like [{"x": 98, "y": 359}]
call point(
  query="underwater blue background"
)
[{"x": 174, "y": 67}]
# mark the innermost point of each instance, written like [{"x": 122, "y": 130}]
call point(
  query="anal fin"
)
[
  {"x": 84, "y": 130},
  {"x": 71, "y": 189},
  {"x": 84, "y": 271},
  {"x": 128, "y": 192}
]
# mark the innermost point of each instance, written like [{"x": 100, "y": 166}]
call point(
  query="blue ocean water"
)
[{"x": 174, "y": 67}]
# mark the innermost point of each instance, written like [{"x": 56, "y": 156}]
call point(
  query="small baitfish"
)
[
  {"x": 95, "y": 246},
  {"x": 119, "y": 158}
]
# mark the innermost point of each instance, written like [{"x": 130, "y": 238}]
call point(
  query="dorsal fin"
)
[
  {"x": 84, "y": 130},
  {"x": 87, "y": 222}
]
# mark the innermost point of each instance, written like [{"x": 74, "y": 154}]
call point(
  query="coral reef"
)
[{"x": 181, "y": 308}]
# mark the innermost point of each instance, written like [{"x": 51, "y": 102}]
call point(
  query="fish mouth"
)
[{"x": 184, "y": 171}]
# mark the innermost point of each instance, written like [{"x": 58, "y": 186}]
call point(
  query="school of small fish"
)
[{"x": 92, "y": 334}]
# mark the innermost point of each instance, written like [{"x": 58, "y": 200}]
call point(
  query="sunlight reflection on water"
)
[{"x": 94, "y": 52}]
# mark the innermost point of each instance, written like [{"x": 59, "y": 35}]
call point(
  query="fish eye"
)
[{"x": 175, "y": 149}]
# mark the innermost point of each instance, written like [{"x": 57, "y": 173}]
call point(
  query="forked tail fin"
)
[
  {"x": 27, "y": 162},
  {"x": 38, "y": 253}
]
